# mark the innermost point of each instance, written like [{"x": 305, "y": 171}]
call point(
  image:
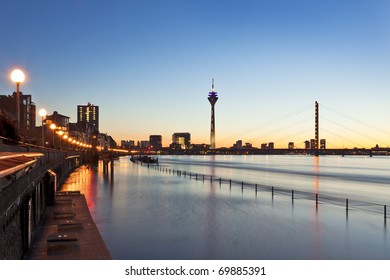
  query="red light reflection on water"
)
[{"x": 83, "y": 180}]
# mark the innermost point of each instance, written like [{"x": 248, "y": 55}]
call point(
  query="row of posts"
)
[{"x": 184, "y": 173}]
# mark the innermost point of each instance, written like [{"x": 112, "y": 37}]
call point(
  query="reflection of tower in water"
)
[{"x": 212, "y": 223}]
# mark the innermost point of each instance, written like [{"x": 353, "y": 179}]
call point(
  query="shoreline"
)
[{"x": 68, "y": 232}]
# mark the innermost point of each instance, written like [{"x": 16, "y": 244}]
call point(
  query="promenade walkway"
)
[{"x": 68, "y": 232}]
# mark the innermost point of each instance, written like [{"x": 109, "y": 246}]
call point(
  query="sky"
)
[{"x": 148, "y": 65}]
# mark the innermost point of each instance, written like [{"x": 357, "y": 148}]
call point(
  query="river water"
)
[{"x": 151, "y": 213}]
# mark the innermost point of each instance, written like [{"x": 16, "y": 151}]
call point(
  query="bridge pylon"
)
[{"x": 316, "y": 129}]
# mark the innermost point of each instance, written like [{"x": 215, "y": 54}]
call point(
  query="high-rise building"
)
[
  {"x": 323, "y": 144},
  {"x": 127, "y": 144},
  {"x": 248, "y": 145},
  {"x": 155, "y": 142},
  {"x": 144, "y": 144},
  {"x": 238, "y": 144},
  {"x": 27, "y": 112},
  {"x": 307, "y": 144},
  {"x": 313, "y": 144},
  {"x": 88, "y": 117},
  {"x": 183, "y": 139},
  {"x": 213, "y": 97}
]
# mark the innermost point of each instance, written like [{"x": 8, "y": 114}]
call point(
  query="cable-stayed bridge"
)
[{"x": 307, "y": 125}]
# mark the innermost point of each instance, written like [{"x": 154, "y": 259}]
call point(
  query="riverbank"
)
[{"x": 68, "y": 232}]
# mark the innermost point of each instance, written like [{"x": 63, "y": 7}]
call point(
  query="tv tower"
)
[{"x": 213, "y": 97}]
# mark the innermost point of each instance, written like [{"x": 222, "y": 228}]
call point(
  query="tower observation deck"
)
[{"x": 213, "y": 97}]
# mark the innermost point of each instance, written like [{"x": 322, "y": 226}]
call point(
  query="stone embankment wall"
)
[{"x": 23, "y": 203}]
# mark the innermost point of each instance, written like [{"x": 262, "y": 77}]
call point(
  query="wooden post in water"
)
[
  {"x": 211, "y": 179},
  {"x": 346, "y": 202},
  {"x": 220, "y": 181},
  {"x": 292, "y": 194},
  {"x": 316, "y": 199},
  {"x": 203, "y": 177},
  {"x": 256, "y": 189},
  {"x": 242, "y": 185},
  {"x": 385, "y": 213},
  {"x": 272, "y": 192},
  {"x": 196, "y": 176}
]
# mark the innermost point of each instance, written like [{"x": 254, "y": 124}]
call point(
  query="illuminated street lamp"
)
[
  {"x": 17, "y": 76},
  {"x": 43, "y": 114},
  {"x": 53, "y": 127},
  {"x": 60, "y": 133},
  {"x": 70, "y": 142},
  {"x": 65, "y": 137}
]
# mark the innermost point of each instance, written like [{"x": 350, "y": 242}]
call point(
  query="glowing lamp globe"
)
[
  {"x": 17, "y": 76},
  {"x": 42, "y": 113}
]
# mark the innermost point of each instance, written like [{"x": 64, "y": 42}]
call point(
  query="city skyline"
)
[{"x": 148, "y": 66}]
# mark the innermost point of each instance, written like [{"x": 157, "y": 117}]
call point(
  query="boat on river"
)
[{"x": 144, "y": 159}]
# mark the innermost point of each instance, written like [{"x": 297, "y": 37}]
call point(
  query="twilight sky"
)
[{"x": 148, "y": 65}]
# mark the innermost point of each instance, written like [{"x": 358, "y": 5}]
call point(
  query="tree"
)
[{"x": 7, "y": 128}]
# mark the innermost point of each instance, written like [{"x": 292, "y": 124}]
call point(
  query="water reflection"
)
[
  {"x": 84, "y": 179},
  {"x": 210, "y": 214},
  {"x": 316, "y": 172},
  {"x": 108, "y": 172},
  {"x": 156, "y": 215}
]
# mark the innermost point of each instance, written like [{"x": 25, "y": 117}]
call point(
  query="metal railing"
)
[{"x": 349, "y": 204}]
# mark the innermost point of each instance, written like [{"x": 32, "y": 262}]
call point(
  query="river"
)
[{"x": 152, "y": 213}]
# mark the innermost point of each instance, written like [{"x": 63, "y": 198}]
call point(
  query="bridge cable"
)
[
  {"x": 356, "y": 120},
  {"x": 357, "y": 132},
  {"x": 349, "y": 140},
  {"x": 284, "y": 128},
  {"x": 278, "y": 119}
]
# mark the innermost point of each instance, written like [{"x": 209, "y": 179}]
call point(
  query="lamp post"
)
[
  {"x": 53, "y": 127},
  {"x": 60, "y": 133},
  {"x": 70, "y": 142},
  {"x": 17, "y": 76},
  {"x": 43, "y": 114},
  {"x": 65, "y": 137}
]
